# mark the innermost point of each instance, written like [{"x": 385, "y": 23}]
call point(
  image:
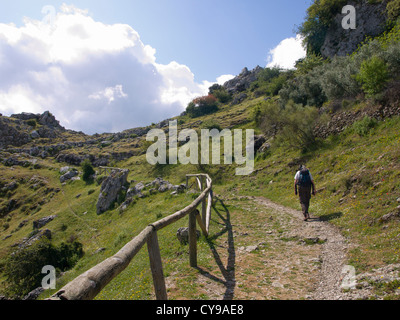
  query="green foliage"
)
[
  {"x": 270, "y": 81},
  {"x": 268, "y": 74},
  {"x": 305, "y": 65},
  {"x": 306, "y": 90},
  {"x": 211, "y": 124},
  {"x": 23, "y": 267},
  {"x": 363, "y": 127},
  {"x": 367, "y": 70},
  {"x": 220, "y": 93},
  {"x": 292, "y": 125},
  {"x": 202, "y": 106},
  {"x": 373, "y": 75},
  {"x": 32, "y": 123},
  {"x": 88, "y": 170},
  {"x": 393, "y": 9},
  {"x": 319, "y": 18}
]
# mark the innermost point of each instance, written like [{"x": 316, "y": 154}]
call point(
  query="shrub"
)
[
  {"x": 88, "y": 170},
  {"x": 393, "y": 9},
  {"x": 363, "y": 127},
  {"x": 338, "y": 78},
  {"x": 202, "y": 106},
  {"x": 373, "y": 75},
  {"x": 220, "y": 93},
  {"x": 23, "y": 268},
  {"x": 32, "y": 123},
  {"x": 305, "y": 65},
  {"x": 211, "y": 124},
  {"x": 293, "y": 124}
]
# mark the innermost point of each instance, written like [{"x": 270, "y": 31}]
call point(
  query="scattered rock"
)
[
  {"x": 99, "y": 250},
  {"x": 33, "y": 295},
  {"x": 26, "y": 242},
  {"x": 390, "y": 216},
  {"x": 183, "y": 235},
  {"x": 277, "y": 284},
  {"x": 22, "y": 224},
  {"x": 35, "y": 134},
  {"x": 42, "y": 222},
  {"x": 64, "y": 170},
  {"x": 69, "y": 175}
]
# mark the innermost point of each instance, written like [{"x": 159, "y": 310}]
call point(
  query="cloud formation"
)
[
  {"x": 286, "y": 53},
  {"x": 93, "y": 76}
]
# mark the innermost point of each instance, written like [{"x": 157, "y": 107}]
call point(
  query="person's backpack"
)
[{"x": 305, "y": 178}]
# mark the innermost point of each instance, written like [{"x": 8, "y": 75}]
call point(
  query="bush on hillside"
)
[
  {"x": 393, "y": 9},
  {"x": 364, "y": 126},
  {"x": 373, "y": 75},
  {"x": 23, "y": 267},
  {"x": 202, "y": 106},
  {"x": 88, "y": 170},
  {"x": 220, "y": 93},
  {"x": 292, "y": 125},
  {"x": 311, "y": 61}
]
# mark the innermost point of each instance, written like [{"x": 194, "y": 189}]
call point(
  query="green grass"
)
[{"x": 357, "y": 175}]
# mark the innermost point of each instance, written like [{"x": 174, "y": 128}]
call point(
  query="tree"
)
[
  {"x": 88, "y": 170},
  {"x": 202, "y": 106},
  {"x": 373, "y": 75}
]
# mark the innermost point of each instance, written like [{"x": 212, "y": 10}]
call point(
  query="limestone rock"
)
[
  {"x": 34, "y": 294},
  {"x": 183, "y": 235},
  {"x": 243, "y": 81},
  {"x": 69, "y": 175},
  {"x": 110, "y": 189},
  {"x": 42, "y": 222},
  {"x": 371, "y": 21}
]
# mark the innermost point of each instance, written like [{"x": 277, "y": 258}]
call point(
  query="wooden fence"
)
[
  {"x": 108, "y": 170},
  {"x": 89, "y": 284}
]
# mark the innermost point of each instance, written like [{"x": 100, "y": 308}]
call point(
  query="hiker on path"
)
[{"x": 304, "y": 186}]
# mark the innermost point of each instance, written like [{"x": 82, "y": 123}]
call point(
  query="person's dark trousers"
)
[{"x": 305, "y": 197}]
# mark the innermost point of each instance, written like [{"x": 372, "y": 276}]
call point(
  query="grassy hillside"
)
[
  {"x": 357, "y": 178},
  {"x": 334, "y": 116}
]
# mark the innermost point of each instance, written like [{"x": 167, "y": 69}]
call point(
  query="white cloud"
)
[
  {"x": 224, "y": 78},
  {"x": 109, "y": 94},
  {"x": 287, "y": 53},
  {"x": 93, "y": 76}
]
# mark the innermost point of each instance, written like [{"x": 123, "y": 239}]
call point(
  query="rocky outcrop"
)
[
  {"x": 43, "y": 221},
  {"x": 45, "y": 119},
  {"x": 20, "y": 129},
  {"x": 343, "y": 119},
  {"x": 243, "y": 81},
  {"x": 110, "y": 188},
  {"x": 371, "y": 21}
]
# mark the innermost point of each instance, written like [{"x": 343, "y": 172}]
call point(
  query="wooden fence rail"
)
[
  {"x": 89, "y": 284},
  {"x": 108, "y": 170}
]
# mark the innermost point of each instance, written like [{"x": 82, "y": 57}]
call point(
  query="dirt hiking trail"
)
[{"x": 265, "y": 251}]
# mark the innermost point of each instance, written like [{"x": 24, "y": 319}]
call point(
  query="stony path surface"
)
[
  {"x": 265, "y": 251},
  {"x": 333, "y": 253}
]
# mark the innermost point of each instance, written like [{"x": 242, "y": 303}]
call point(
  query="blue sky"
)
[{"x": 189, "y": 43}]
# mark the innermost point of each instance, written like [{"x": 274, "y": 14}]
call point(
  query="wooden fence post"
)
[
  {"x": 192, "y": 239},
  {"x": 156, "y": 267},
  {"x": 203, "y": 203}
]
